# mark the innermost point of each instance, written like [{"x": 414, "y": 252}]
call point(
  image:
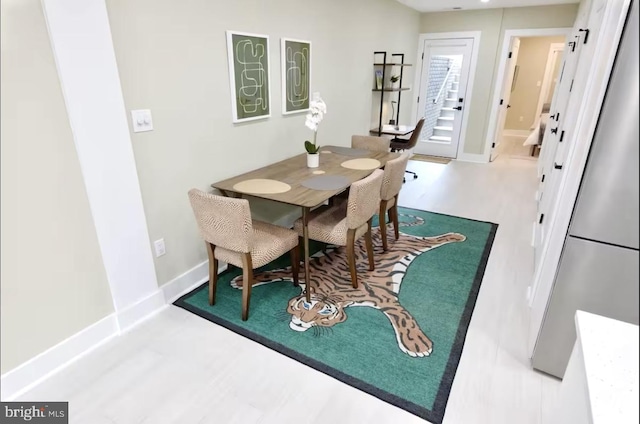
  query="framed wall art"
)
[
  {"x": 296, "y": 75},
  {"x": 248, "y": 56}
]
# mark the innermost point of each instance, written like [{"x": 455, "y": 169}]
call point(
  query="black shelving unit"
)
[{"x": 397, "y": 59}]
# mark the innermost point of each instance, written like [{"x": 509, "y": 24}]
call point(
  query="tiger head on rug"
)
[{"x": 332, "y": 293}]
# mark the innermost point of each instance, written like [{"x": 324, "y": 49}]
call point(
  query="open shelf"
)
[{"x": 381, "y": 80}]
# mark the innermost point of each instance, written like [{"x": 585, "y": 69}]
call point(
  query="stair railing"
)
[{"x": 435, "y": 100}]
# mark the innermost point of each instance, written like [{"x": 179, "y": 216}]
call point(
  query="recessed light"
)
[{"x": 484, "y": 1}]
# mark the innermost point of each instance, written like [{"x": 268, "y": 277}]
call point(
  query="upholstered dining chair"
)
[
  {"x": 369, "y": 142},
  {"x": 391, "y": 184},
  {"x": 232, "y": 236},
  {"x": 401, "y": 144},
  {"x": 345, "y": 222}
]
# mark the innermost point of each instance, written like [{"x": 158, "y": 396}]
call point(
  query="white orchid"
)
[{"x": 317, "y": 110}]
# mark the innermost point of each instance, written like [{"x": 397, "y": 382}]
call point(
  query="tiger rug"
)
[{"x": 332, "y": 292}]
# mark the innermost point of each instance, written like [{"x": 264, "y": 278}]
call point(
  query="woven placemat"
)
[
  {"x": 262, "y": 186},
  {"x": 362, "y": 164}
]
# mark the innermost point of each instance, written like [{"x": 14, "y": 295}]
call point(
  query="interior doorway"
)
[
  {"x": 532, "y": 71},
  {"x": 529, "y": 68}
]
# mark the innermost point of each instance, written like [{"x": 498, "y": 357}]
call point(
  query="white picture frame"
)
[
  {"x": 249, "y": 75},
  {"x": 295, "y": 59}
]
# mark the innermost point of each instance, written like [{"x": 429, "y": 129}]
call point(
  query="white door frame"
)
[
  {"x": 548, "y": 75},
  {"x": 596, "y": 85},
  {"x": 502, "y": 67},
  {"x": 472, "y": 73}
]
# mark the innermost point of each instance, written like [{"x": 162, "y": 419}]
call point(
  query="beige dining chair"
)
[
  {"x": 391, "y": 184},
  {"x": 232, "y": 236},
  {"x": 366, "y": 142},
  {"x": 369, "y": 142},
  {"x": 345, "y": 222}
]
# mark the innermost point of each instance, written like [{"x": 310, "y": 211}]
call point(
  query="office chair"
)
[{"x": 401, "y": 144}]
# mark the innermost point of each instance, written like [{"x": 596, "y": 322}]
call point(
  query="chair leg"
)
[
  {"x": 295, "y": 265},
  {"x": 412, "y": 173},
  {"x": 369, "y": 243},
  {"x": 382, "y": 220},
  {"x": 247, "y": 282},
  {"x": 213, "y": 273},
  {"x": 396, "y": 224},
  {"x": 351, "y": 257}
]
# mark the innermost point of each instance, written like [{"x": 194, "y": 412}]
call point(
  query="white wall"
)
[
  {"x": 83, "y": 51},
  {"x": 54, "y": 283},
  {"x": 172, "y": 59}
]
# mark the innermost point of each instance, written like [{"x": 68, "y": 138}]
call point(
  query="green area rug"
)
[{"x": 398, "y": 336}]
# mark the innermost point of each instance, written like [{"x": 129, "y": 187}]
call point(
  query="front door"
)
[{"x": 443, "y": 85}]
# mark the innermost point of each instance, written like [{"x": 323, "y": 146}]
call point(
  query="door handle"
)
[
  {"x": 458, "y": 108},
  {"x": 556, "y": 166},
  {"x": 508, "y": 106},
  {"x": 554, "y": 130}
]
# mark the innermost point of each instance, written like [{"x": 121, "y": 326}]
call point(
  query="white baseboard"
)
[
  {"x": 37, "y": 369},
  {"x": 143, "y": 309},
  {"x": 31, "y": 373},
  {"x": 516, "y": 133},
  {"x": 188, "y": 281},
  {"x": 471, "y": 157}
]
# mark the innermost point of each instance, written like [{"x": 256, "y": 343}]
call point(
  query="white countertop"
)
[{"x": 610, "y": 349}]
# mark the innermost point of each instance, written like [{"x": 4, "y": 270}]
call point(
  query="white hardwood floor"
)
[
  {"x": 512, "y": 146},
  {"x": 179, "y": 368}
]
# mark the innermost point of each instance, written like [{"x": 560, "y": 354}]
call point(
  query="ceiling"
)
[{"x": 445, "y": 5}]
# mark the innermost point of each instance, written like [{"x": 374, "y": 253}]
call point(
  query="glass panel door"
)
[{"x": 443, "y": 85}]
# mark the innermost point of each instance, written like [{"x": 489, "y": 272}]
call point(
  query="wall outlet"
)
[
  {"x": 521, "y": 118},
  {"x": 159, "y": 245}
]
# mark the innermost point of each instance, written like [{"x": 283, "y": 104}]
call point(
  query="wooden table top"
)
[{"x": 294, "y": 171}]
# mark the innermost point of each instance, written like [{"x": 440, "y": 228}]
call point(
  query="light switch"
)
[
  {"x": 141, "y": 120},
  {"x": 538, "y": 84}
]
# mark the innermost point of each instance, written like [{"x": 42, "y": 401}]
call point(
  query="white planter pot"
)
[{"x": 313, "y": 160}]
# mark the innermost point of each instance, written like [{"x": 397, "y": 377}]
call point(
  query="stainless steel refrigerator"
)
[{"x": 598, "y": 269}]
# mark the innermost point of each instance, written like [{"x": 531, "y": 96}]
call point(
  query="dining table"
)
[{"x": 292, "y": 182}]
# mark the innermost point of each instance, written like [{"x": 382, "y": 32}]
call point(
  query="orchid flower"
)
[{"x": 317, "y": 110}]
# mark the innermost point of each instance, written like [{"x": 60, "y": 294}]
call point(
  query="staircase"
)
[{"x": 443, "y": 130}]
